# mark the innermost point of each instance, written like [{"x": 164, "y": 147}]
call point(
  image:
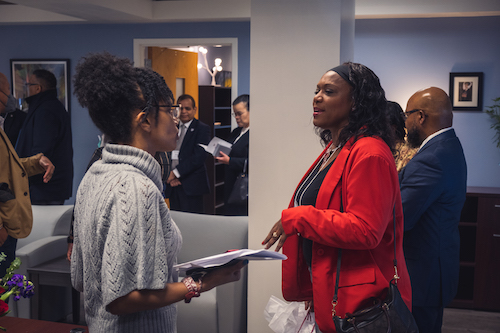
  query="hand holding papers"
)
[
  {"x": 217, "y": 145},
  {"x": 227, "y": 257}
]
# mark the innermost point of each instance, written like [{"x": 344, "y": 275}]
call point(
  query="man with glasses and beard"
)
[{"x": 433, "y": 188}]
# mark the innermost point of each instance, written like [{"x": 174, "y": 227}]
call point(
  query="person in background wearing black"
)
[
  {"x": 47, "y": 130},
  {"x": 237, "y": 160}
]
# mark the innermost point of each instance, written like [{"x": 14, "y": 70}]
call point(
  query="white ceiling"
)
[{"x": 130, "y": 11}]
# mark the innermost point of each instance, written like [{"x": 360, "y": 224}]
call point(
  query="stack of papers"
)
[
  {"x": 224, "y": 258},
  {"x": 217, "y": 145}
]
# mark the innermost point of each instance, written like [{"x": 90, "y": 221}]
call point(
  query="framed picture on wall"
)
[
  {"x": 466, "y": 91},
  {"x": 22, "y": 69}
]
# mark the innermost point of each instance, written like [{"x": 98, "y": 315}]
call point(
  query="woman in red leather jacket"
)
[{"x": 346, "y": 200}]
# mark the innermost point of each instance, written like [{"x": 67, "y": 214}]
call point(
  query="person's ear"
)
[
  {"x": 422, "y": 117},
  {"x": 142, "y": 120}
]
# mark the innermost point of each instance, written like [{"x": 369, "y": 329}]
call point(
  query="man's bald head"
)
[
  {"x": 432, "y": 111},
  {"x": 436, "y": 104}
]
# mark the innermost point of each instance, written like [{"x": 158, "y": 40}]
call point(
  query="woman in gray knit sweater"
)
[{"x": 125, "y": 243}]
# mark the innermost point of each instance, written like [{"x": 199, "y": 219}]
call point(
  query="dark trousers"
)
[
  {"x": 180, "y": 201},
  {"x": 9, "y": 248},
  {"x": 429, "y": 318}
]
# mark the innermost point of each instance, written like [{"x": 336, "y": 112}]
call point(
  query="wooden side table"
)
[{"x": 53, "y": 273}]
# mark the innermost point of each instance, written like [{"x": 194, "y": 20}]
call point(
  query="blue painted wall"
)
[
  {"x": 407, "y": 55},
  {"x": 73, "y": 41},
  {"x": 411, "y": 54}
]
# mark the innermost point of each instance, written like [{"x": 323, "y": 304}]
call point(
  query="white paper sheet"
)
[
  {"x": 217, "y": 145},
  {"x": 224, "y": 258}
]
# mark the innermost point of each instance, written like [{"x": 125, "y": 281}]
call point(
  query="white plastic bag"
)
[{"x": 286, "y": 317}]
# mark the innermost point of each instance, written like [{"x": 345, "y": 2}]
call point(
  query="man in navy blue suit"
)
[
  {"x": 188, "y": 180},
  {"x": 433, "y": 188}
]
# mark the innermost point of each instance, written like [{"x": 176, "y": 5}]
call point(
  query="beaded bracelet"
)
[{"x": 191, "y": 285}]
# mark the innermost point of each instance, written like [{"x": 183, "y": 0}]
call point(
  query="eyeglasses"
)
[
  {"x": 27, "y": 84},
  {"x": 408, "y": 113},
  {"x": 174, "y": 110},
  {"x": 236, "y": 114}
]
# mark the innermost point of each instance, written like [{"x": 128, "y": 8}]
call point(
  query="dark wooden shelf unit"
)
[
  {"x": 215, "y": 111},
  {"x": 479, "y": 280}
]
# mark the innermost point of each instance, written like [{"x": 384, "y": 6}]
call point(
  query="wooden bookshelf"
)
[
  {"x": 479, "y": 281},
  {"x": 215, "y": 111}
]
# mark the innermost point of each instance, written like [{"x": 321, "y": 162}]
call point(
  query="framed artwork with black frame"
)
[
  {"x": 466, "y": 91},
  {"x": 21, "y": 70}
]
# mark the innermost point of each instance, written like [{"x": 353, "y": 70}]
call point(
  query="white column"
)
[{"x": 293, "y": 43}]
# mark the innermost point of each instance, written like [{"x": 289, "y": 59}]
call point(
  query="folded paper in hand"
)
[
  {"x": 217, "y": 145},
  {"x": 224, "y": 258}
]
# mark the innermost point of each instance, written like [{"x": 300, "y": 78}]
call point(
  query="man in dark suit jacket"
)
[
  {"x": 433, "y": 188},
  {"x": 188, "y": 180},
  {"x": 47, "y": 130}
]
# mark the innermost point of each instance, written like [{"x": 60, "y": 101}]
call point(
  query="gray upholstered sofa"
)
[
  {"x": 46, "y": 241},
  {"x": 221, "y": 310}
]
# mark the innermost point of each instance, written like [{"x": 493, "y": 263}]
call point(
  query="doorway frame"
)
[{"x": 141, "y": 44}]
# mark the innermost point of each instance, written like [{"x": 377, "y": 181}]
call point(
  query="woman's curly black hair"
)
[
  {"x": 397, "y": 120},
  {"x": 112, "y": 89},
  {"x": 154, "y": 90},
  {"x": 368, "y": 116}
]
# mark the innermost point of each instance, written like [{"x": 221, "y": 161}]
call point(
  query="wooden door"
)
[{"x": 173, "y": 65}]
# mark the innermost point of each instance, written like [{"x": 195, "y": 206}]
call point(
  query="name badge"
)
[{"x": 175, "y": 154}]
